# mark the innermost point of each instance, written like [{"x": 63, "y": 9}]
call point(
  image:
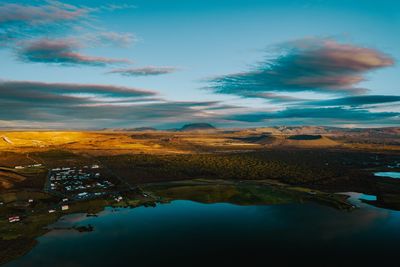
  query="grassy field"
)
[
  {"x": 264, "y": 192},
  {"x": 170, "y": 142},
  {"x": 334, "y": 169},
  {"x": 316, "y": 167},
  {"x": 32, "y": 178}
]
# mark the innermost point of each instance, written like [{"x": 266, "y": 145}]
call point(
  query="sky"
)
[{"x": 84, "y": 64}]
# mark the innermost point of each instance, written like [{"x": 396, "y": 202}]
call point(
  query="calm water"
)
[
  {"x": 395, "y": 175},
  {"x": 185, "y": 233}
]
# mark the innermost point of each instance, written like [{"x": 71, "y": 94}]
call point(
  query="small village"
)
[
  {"x": 70, "y": 184},
  {"x": 77, "y": 183}
]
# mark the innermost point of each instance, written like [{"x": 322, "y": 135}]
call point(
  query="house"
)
[
  {"x": 14, "y": 219},
  {"x": 30, "y": 200},
  {"x": 64, "y": 207},
  {"x": 64, "y": 199},
  {"x": 52, "y": 211},
  {"x": 95, "y": 166},
  {"x": 19, "y": 167},
  {"x": 83, "y": 195},
  {"x": 118, "y": 199}
]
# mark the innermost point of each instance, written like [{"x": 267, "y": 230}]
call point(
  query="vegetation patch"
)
[{"x": 304, "y": 137}]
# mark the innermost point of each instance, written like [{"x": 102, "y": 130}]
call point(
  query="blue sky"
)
[{"x": 233, "y": 63}]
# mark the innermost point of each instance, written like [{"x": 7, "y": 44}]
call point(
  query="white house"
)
[{"x": 14, "y": 219}]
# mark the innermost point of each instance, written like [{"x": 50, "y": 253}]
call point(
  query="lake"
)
[
  {"x": 395, "y": 175},
  {"x": 186, "y": 233}
]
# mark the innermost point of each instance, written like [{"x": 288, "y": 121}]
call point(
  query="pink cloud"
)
[{"x": 61, "y": 51}]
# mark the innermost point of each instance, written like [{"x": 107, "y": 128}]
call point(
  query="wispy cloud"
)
[
  {"x": 25, "y": 21},
  {"x": 46, "y": 12},
  {"x": 365, "y": 109},
  {"x": 319, "y": 65},
  {"x": 28, "y": 91},
  {"x": 50, "y": 12},
  {"x": 319, "y": 116},
  {"x": 109, "y": 38},
  {"x": 62, "y": 52},
  {"x": 43, "y": 23},
  {"x": 355, "y": 101},
  {"x": 145, "y": 71},
  {"x": 66, "y": 105},
  {"x": 273, "y": 97}
]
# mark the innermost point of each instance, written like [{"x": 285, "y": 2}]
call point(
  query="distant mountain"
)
[
  {"x": 197, "y": 127},
  {"x": 139, "y": 129},
  {"x": 144, "y": 129},
  {"x": 257, "y": 139}
]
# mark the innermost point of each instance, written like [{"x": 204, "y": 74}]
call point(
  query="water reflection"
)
[{"x": 187, "y": 233}]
